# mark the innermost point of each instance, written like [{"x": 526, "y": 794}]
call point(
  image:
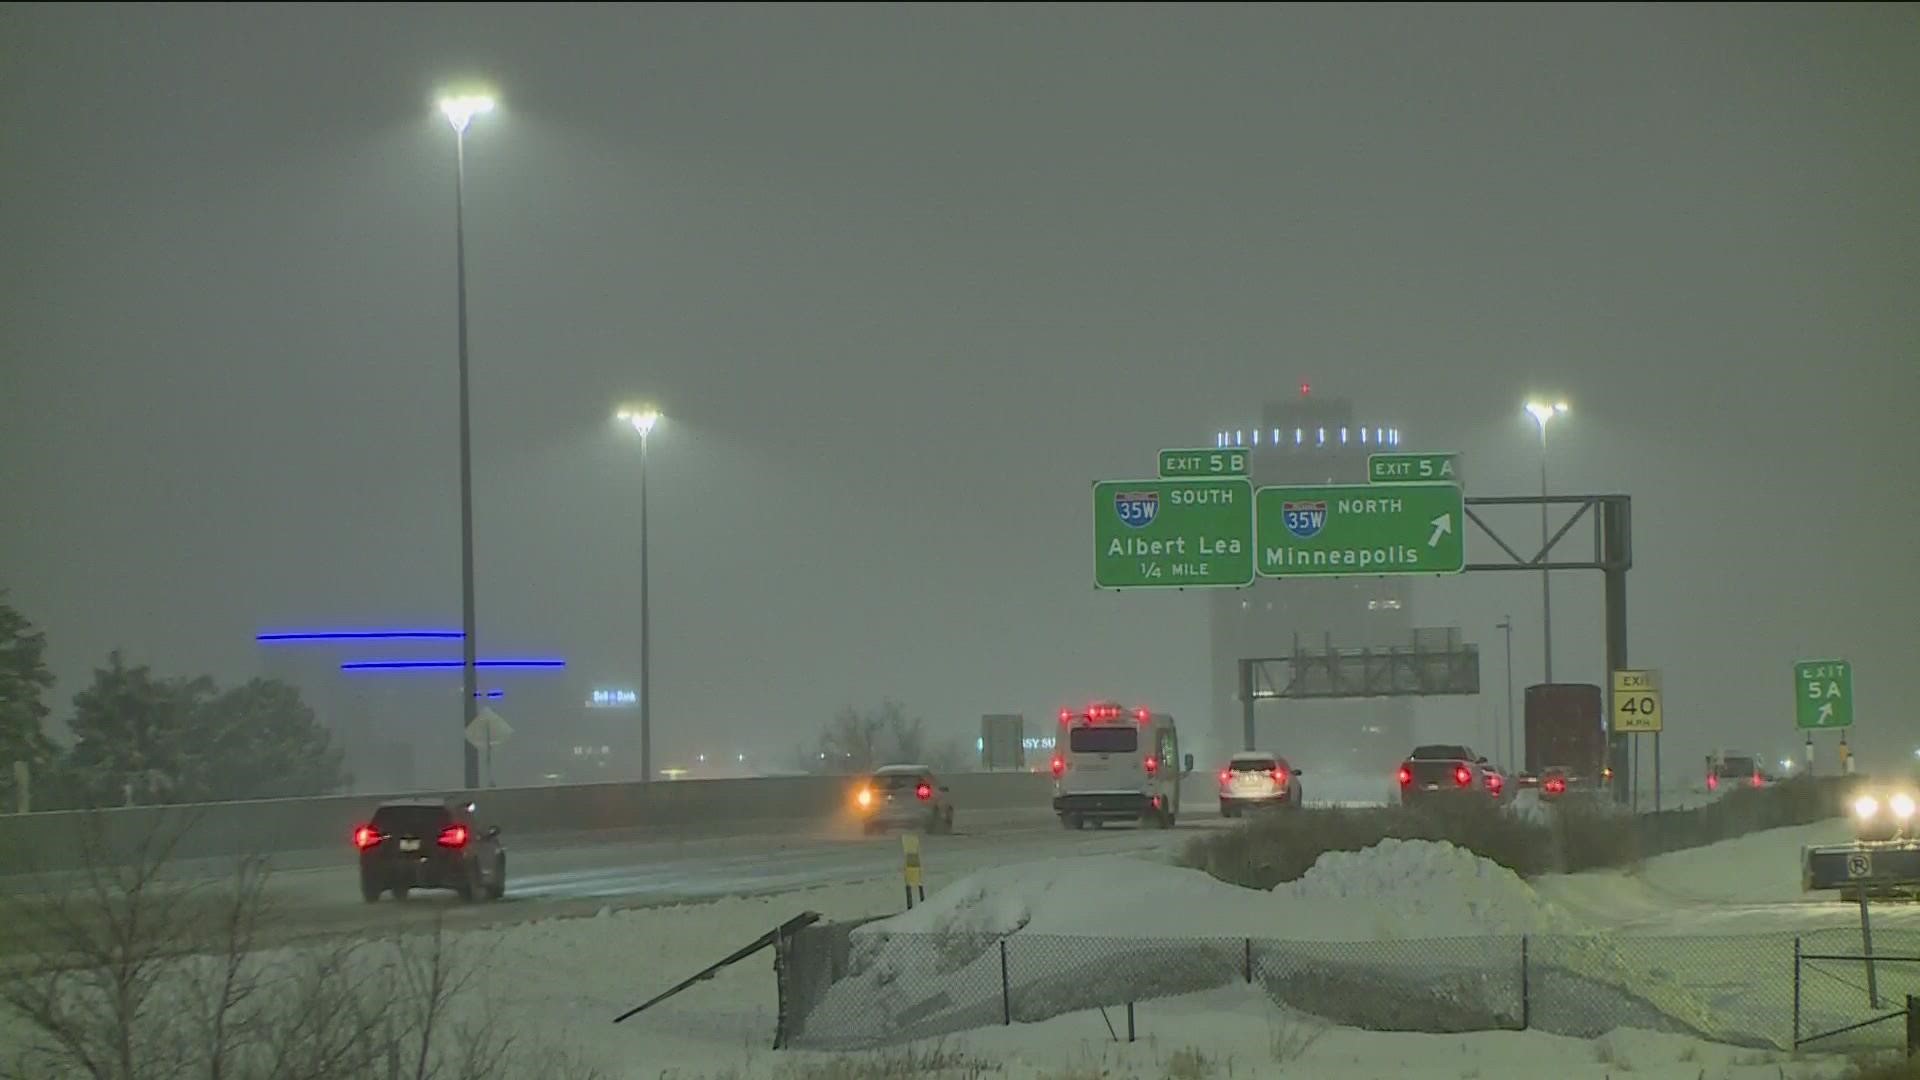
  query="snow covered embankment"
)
[{"x": 1408, "y": 935}]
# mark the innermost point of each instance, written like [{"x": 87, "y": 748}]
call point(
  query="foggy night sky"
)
[{"x": 906, "y": 280}]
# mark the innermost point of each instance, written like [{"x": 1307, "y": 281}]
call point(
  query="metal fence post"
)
[
  {"x": 1913, "y": 1025},
  {"x": 1526, "y": 988},
  {"x": 1006, "y": 988},
  {"x": 1249, "y": 961},
  {"x": 1129, "y": 1021},
  {"x": 1796, "y": 993}
]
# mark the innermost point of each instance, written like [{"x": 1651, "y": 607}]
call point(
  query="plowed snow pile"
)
[{"x": 1021, "y": 940}]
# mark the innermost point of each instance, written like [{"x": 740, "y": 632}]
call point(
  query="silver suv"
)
[
  {"x": 903, "y": 797},
  {"x": 1255, "y": 779}
]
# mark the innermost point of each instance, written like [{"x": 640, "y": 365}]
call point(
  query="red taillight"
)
[
  {"x": 1066, "y": 715},
  {"x": 1153, "y": 766},
  {"x": 1757, "y": 780},
  {"x": 1713, "y": 783},
  {"x": 1555, "y": 785},
  {"x": 1226, "y": 775},
  {"x": 1406, "y": 776},
  {"x": 1495, "y": 783},
  {"x": 1142, "y": 715},
  {"x": 453, "y": 836},
  {"x": 1059, "y": 766},
  {"x": 365, "y": 837},
  {"x": 1280, "y": 777},
  {"x": 924, "y": 791},
  {"x": 1462, "y": 775}
]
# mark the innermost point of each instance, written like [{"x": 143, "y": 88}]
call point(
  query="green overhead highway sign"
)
[
  {"x": 1823, "y": 694},
  {"x": 1359, "y": 530},
  {"x": 1220, "y": 461},
  {"x": 1172, "y": 534},
  {"x": 1412, "y": 468}
]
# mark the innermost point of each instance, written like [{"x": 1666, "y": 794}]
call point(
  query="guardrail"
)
[{"x": 58, "y": 840}]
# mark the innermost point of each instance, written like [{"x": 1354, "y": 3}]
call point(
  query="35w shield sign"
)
[
  {"x": 1305, "y": 519},
  {"x": 1137, "y": 508}
]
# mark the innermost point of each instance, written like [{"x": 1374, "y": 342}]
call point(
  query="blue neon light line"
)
[
  {"x": 418, "y": 665},
  {"x": 360, "y": 635}
]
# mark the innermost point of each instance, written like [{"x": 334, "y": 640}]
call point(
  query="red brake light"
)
[
  {"x": 1462, "y": 775},
  {"x": 1555, "y": 785},
  {"x": 1757, "y": 780},
  {"x": 1059, "y": 766},
  {"x": 925, "y": 792},
  {"x": 1495, "y": 783},
  {"x": 1713, "y": 782},
  {"x": 453, "y": 836},
  {"x": 1153, "y": 766},
  {"x": 1406, "y": 776},
  {"x": 1280, "y": 776},
  {"x": 1226, "y": 775},
  {"x": 1141, "y": 715},
  {"x": 1066, "y": 715},
  {"x": 365, "y": 837}
]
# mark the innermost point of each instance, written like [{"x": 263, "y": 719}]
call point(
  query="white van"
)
[{"x": 1115, "y": 764}]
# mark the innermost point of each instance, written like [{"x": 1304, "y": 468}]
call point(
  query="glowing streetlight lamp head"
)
[
  {"x": 460, "y": 109},
  {"x": 642, "y": 420},
  {"x": 1542, "y": 411}
]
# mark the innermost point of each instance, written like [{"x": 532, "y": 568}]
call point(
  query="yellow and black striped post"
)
[{"x": 910, "y": 846}]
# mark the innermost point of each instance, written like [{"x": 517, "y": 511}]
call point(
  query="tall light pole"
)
[
  {"x": 460, "y": 111},
  {"x": 642, "y": 421},
  {"x": 1542, "y": 413},
  {"x": 1513, "y": 751}
]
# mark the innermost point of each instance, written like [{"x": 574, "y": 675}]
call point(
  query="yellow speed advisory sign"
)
[{"x": 1636, "y": 702}]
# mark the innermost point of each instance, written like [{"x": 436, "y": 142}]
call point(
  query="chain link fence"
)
[{"x": 855, "y": 986}]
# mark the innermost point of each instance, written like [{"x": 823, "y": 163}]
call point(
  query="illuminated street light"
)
[
  {"x": 1543, "y": 413},
  {"x": 642, "y": 420},
  {"x": 460, "y": 110}
]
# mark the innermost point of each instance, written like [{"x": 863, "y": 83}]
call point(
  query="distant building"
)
[{"x": 1311, "y": 440}]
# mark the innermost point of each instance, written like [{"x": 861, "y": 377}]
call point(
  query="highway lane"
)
[{"x": 579, "y": 874}]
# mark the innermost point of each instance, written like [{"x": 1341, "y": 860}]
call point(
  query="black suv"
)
[{"x": 424, "y": 844}]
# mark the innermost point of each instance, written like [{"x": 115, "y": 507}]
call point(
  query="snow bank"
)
[{"x": 1426, "y": 889}]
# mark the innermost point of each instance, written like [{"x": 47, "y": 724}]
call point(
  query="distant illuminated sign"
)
[
  {"x": 612, "y": 699},
  {"x": 1029, "y": 743}
]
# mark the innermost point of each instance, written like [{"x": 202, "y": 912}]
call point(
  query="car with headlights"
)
[
  {"x": 413, "y": 844},
  {"x": 1253, "y": 779},
  {"x": 1883, "y": 813},
  {"x": 903, "y": 797}
]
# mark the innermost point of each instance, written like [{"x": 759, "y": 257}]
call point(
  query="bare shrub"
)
[{"x": 120, "y": 972}]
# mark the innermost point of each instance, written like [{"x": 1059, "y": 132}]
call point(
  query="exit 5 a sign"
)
[{"x": 1823, "y": 694}]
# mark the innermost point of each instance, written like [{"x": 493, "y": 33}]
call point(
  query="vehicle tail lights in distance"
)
[
  {"x": 1059, "y": 767},
  {"x": 1226, "y": 775},
  {"x": 1279, "y": 776},
  {"x": 1462, "y": 775},
  {"x": 1713, "y": 783},
  {"x": 365, "y": 836},
  {"x": 924, "y": 791},
  {"x": 1495, "y": 783},
  {"x": 1153, "y": 766},
  {"x": 453, "y": 836},
  {"x": 1555, "y": 785},
  {"x": 1406, "y": 776}
]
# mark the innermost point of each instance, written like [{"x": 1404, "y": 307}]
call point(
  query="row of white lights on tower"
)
[{"x": 1381, "y": 437}]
